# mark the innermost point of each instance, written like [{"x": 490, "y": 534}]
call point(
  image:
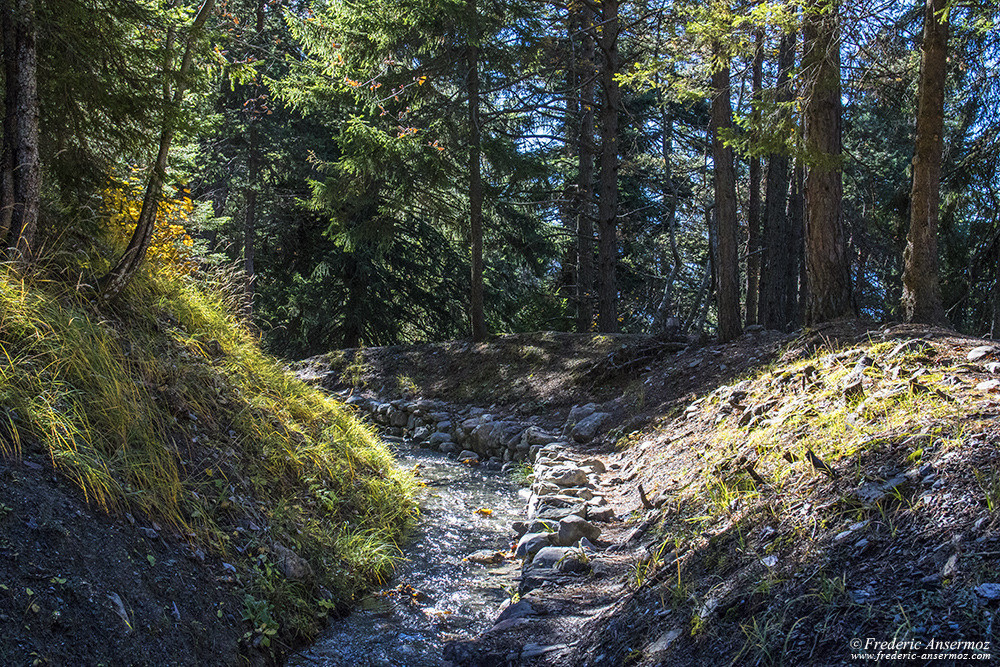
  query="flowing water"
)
[{"x": 435, "y": 595}]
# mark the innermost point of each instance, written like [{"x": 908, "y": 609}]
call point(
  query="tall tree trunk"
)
[
  {"x": 772, "y": 304},
  {"x": 585, "y": 179},
  {"x": 569, "y": 203},
  {"x": 753, "y": 209},
  {"x": 727, "y": 226},
  {"x": 921, "y": 290},
  {"x": 250, "y": 219},
  {"x": 666, "y": 315},
  {"x": 607, "y": 214},
  {"x": 827, "y": 266},
  {"x": 115, "y": 281},
  {"x": 475, "y": 182},
  {"x": 10, "y": 100},
  {"x": 795, "y": 267},
  {"x": 22, "y": 110}
]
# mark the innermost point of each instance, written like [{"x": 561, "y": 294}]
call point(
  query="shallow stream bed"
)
[{"x": 435, "y": 596}]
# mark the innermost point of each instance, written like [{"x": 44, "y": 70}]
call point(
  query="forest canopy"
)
[{"x": 389, "y": 172}]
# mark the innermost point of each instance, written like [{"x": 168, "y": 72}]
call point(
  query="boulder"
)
[
  {"x": 573, "y": 528},
  {"x": 560, "y": 559},
  {"x": 290, "y": 564},
  {"x": 593, "y": 465},
  {"x": 579, "y": 412},
  {"x": 587, "y": 428},
  {"x": 531, "y": 543},
  {"x": 565, "y": 475}
]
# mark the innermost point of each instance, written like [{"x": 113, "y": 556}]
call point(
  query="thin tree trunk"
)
[
  {"x": 706, "y": 283},
  {"x": 666, "y": 315},
  {"x": 475, "y": 183},
  {"x": 585, "y": 180},
  {"x": 753, "y": 209},
  {"x": 795, "y": 266},
  {"x": 23, "y": 107},
  {"x": 115, "y": 281},
  {"x": 608, "y": 194},
  {"x": 726, "y": 257},
  {"x": 772, "y": 304},
  {"x": 250, "y": 221},
  {"x": 921, "y": 290},
  {"x": 827, "y": 266}
]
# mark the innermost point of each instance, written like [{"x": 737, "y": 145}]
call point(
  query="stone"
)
[
  {"x": 436, "y": 440},
  {"x": 486, "y": 557},
  {"x": 989, "y": 592},
  {"x": 468, "y": 456},
  {"x": 603, "y": 514},
  {"x": 561, "y": 559},
  {"x": 580, "y": 412},
  {"x": 565, "y": 476},
  {"x": 536, "y": 436},
  {"x": 543, "y": 526},
  {"x": 421, "y": 433},
  {"x": 531, "y": 543},
  {"x": 989, "y": 386},
  {"x": 593, "y": 465},
  {"x": 545, "y": 488},
  {"x": 983, "y": 352},
  {"x": 398, "y": 418},
  {"x": 573, "y": 528},
  {"x": 290, "y": 564},
  {"x": 581, "y": 492},
  {"x": 586, "y": 429},
  {"x": 448, "y": 447},
  {"x": 443, "y": 426},
  {"x": 519, "y": 609}
]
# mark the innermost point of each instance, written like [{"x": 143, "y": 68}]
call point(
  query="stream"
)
[{"x": 435, "y": 595}]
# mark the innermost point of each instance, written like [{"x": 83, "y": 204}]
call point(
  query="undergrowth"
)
[{"x": 163, "y": 405}]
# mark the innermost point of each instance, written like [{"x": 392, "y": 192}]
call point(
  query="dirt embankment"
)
[{"x": 79, "y": 588}]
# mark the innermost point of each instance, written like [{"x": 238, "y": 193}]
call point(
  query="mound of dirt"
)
[{"x": 79, "y": 588}]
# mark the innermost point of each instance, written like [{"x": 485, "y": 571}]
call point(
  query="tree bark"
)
[
  {"x": 475, "y": 183},
  {"x": 666, "y": 315},
  {"x": 795, "y": 267},
  {"x": 116, "y": 280},
  {"x": 22, "y": 113},
  {"x": 772, "y": 304},
  {"x": 753, "y": 208},
  {"x": 585, "y": 179},
  {"x": 827, "y": 265},
  {"x": 10, "y": 100},
  {"x": 607, "y": 214},
  {"x": 250, "y": 221},
  {"x": 727, "y": 226},
  {"x": 921, "y": 290}
]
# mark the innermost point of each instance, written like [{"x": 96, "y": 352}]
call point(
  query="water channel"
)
[{"x": 436, "y": 595}]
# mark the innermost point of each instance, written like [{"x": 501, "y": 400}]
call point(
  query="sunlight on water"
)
[{"x": 436, "y": 596}]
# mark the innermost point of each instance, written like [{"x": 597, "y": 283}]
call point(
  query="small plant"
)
[
  {"x": 355, "y": 371},
  {"x": 990, "y": 486},
  {"x": 260, "y": 615},
  {"x": 407, "y": 386}
]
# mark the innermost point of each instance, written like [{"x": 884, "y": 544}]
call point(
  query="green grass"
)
[{"x": 164, "y": 405}]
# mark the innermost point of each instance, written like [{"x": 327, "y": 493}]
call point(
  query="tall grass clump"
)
[{"x": 163, "y": 404}]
